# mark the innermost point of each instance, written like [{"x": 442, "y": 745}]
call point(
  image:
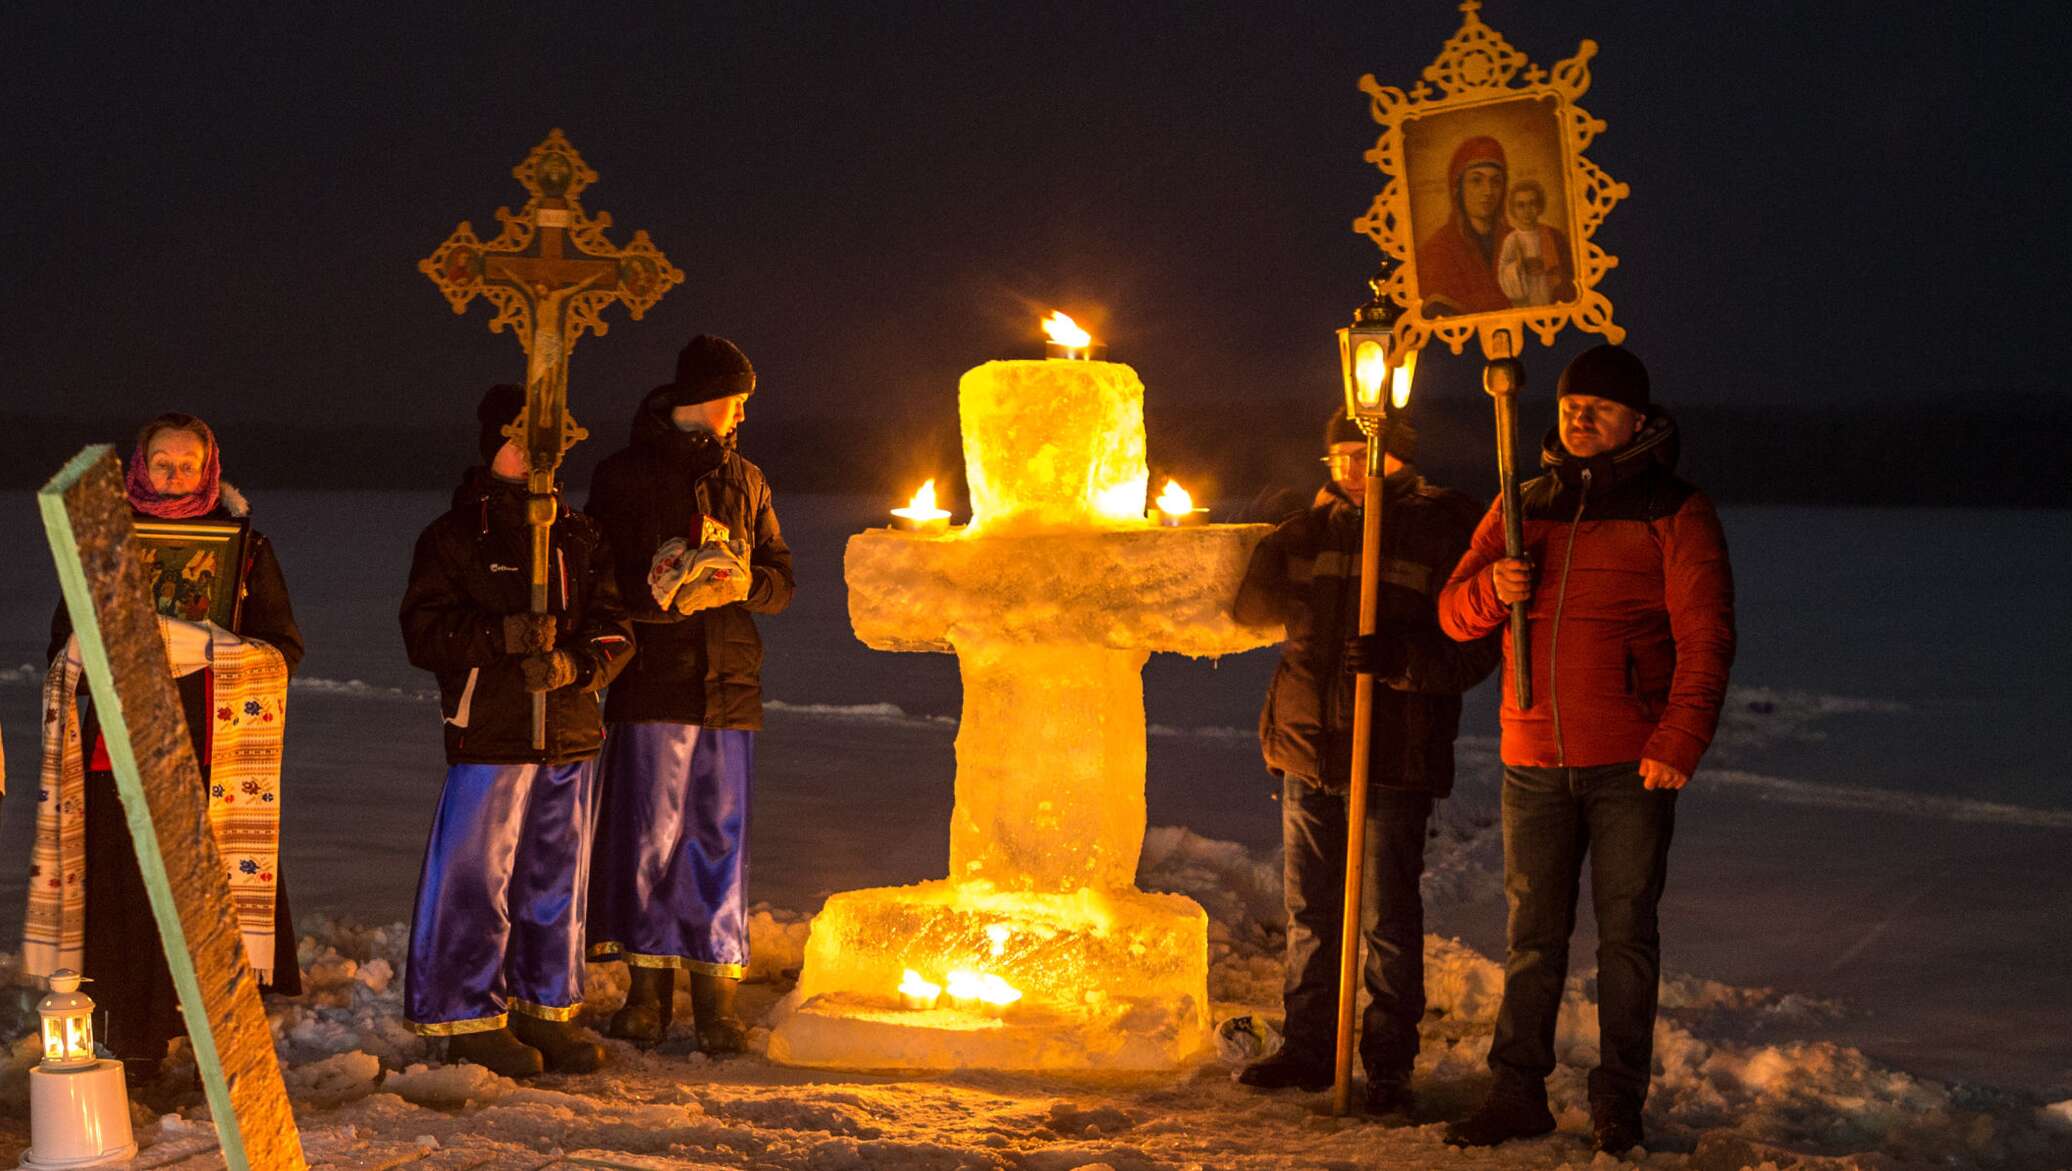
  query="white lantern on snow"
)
[{"x": 78, "y": 1108}]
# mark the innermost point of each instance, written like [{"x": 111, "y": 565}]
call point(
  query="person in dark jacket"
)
[
  {"x": 497, "y": 937},
  {"x": 174, "y": 477},
  {"x": 1306, "y": 574},
  {"x": 1631, "y": 602},
  {"x": 699, "y": 552}
]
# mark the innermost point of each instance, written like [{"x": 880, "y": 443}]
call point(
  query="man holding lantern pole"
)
[
  {"x": 1305, "y": 574},
  {"x": 1631, "y": 603}
]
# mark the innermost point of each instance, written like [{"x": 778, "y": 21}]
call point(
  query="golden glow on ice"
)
[
  {"x": 1121, "y": 501},
  {"x": 1053, "y": 446},
  {"x": 1066, "y": 332}
]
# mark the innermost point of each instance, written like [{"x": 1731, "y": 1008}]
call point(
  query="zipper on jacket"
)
[{"x": 1554, "y": 639}]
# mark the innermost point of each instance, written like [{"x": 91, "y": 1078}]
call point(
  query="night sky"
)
[{"x": 222, "y": 212}]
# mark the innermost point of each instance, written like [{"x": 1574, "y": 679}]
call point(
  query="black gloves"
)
[
  {"x": 548, "y": 672},
  {"x": 1380, "y": 654},
  {"x": 528, "y": 634}
]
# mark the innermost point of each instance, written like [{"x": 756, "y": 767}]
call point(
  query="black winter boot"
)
[
  {"x": 566, "y": 1048},
  {"x": 1506, "y": 1114},
  {"x": 1390, "y": 1101},
  {"x": 650, "y": 1003},
  {"x": 719, "y": 1030},
  {"x": 497, "y": 1051},
  {"x": 1615, "y": 1122},
  {"x": 1284, "y": 1070}
]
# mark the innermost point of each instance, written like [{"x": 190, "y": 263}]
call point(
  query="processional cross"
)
[{"x": 549, "y": 296}]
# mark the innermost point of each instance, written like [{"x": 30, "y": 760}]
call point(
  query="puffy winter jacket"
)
[
  {"x": 1306, "y": 573},
  {"x": 1632, "y": 611},
  {"x": 472, "y": 566},
  {"x": 703, "y": 668}
]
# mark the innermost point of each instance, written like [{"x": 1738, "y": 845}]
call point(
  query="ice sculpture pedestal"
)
[{"x": 1052, "y": 606}]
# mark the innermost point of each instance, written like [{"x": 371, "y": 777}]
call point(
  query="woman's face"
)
[{"x": 173, "y": 462}]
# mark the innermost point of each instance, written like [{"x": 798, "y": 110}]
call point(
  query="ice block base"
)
[{"x": 1109, "y": 980}]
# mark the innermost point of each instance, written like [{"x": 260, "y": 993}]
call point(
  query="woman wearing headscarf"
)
[{"x": 88, "y": 908}]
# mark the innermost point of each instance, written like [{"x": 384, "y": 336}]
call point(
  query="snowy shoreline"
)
[
  {"x": 1739, "y": 1083},
  {"x": 1867, "y": 878}
]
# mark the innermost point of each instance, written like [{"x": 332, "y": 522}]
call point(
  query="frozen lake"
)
[{"x": 1876, "y": 826}]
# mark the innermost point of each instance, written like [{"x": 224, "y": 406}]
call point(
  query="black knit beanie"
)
[
  {"x": 708, "y": 368},
  {"x": 498, "y": 409},
  {"x": 1402, "y": 435},
  {"x": 1607, "y": 371}
]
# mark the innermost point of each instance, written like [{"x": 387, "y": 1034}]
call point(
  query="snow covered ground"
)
[{"x": 1864, "y": 925}]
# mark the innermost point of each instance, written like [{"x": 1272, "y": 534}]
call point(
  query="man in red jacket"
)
[{"x": 1632, "y": 617}]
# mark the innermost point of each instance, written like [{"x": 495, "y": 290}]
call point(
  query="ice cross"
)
[
  {"x": 1052, "y": 600},
  {"x": 87, "y": 519}
]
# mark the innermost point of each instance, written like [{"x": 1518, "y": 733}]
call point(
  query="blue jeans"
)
[
  {"x": 1553, "y": 818},
  {"x": 1313, "y": 826}
]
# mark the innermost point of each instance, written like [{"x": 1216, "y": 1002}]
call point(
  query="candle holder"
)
[
  {"x": 913, "y": 520},
  {"x": 920, "y": 514},
  {"x": 1090, "y": 352},
  {"x": 916, "y": 994}
]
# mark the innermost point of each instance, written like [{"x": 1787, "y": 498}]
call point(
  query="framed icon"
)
[
  {"x": 1490, "y": 204},
  {"x": 194, "y": 569}
]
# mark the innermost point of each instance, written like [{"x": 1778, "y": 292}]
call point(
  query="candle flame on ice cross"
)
[{"x": 1052, "y": 598}]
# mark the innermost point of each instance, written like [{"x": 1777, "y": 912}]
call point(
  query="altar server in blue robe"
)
[
  {"x": 497, "y": 940},
  {"x": 699, "y": 554}
]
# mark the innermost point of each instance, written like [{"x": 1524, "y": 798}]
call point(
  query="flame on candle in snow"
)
[
  {"x": 1174, "y": 499},
  {"x": 916, "y": 992},
  {"x": 1064, "y": 331},
  {"x": 922, "y": 507},
  {"x": 974, "y": 988}
]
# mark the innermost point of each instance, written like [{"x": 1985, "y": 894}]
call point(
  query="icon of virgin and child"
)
[{"x": 1492, "y": 253}]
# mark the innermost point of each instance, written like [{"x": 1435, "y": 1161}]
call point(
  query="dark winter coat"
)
[
  {"x": 1632, "y": 609},
  {"x": 703, "y": 668},
  {"x": 139, "y": 991},
  {"x": 1306, "y": 573},
  {"x": 472, "y": 567}
]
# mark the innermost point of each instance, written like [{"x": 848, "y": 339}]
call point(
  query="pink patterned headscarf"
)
[{"x": 148, "y": 500}]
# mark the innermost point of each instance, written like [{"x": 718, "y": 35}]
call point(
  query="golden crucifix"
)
[{"x": 549, "y": 296}]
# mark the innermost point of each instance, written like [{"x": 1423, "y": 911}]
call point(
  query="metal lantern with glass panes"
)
[
  {"x": 1376, "y": 380},
  {"x": 68, "y": 1022}
]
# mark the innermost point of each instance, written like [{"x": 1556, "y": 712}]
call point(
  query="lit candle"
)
[
  {"x": 1176, "y": 508},
  {"x": 921, "y": 515},
  {"x": 980, "y": 993},
  {"x": 916, "y": 993},
  {"x": 1064, "y": 338}
]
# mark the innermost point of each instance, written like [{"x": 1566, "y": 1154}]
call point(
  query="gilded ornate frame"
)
[{"x": 1478, "y": 68}]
